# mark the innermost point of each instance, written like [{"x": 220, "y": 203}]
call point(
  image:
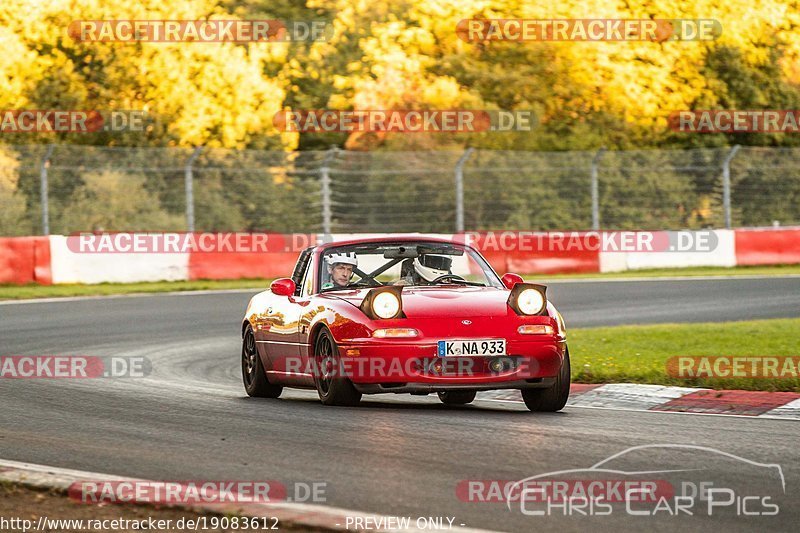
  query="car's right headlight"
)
[
  {"x": 386, "y": 304},
  {"x": 383, "y": 303}
]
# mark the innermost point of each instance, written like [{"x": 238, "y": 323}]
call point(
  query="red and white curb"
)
[
  {"x": 633, "y": 396},
  {"x": 297, "y": 516}
]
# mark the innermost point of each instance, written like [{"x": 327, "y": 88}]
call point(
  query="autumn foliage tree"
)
[{"x": 404, "y": 54}]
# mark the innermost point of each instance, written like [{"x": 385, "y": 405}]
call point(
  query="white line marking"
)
[
  {"x": 628, "y": 409},
  {"x": 789, "y": 410},
  {"x": 255, "y": 290},
  {"x": 130, "y": 295},
  {"x": 44, "y": 469}
]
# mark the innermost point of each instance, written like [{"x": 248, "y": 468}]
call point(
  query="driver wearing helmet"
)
[
  {"x": 340, "y": 269},
  {"x": 426, "y": 268}
]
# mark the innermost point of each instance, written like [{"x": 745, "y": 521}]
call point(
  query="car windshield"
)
[{"x": 407, "y": 263}]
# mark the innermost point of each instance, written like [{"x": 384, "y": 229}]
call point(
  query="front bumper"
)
[
  {"x": 425, "y": 388},
  {"x": 378, "y": 366}
]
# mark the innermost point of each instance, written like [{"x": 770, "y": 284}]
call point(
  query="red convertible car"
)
[{"x": 404, "y": 315}]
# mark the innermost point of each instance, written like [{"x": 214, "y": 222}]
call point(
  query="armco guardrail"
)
[{"x": 57, "y": 259}]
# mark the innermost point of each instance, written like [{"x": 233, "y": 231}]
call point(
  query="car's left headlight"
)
[{"x": 528, "y": 299}]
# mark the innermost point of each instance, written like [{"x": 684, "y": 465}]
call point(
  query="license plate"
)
[{"x": 471, "y": 347}]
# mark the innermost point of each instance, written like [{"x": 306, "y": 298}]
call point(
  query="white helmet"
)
[
  {"x": 430, "y": 267},
  {"x": 346, "y": 258}
]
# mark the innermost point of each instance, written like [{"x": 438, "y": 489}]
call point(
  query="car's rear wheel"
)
[
  {"x": 332, "y": 386},
  {"x": 457, "y": 397},
  {"x": 552, "y": 398},
  {"x": 255, "y": 379}
]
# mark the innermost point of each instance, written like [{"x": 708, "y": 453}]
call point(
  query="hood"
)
[{"x": 429, "y": 302}]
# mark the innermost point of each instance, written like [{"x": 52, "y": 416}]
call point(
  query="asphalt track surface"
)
[{"x": 394, "y": 455}]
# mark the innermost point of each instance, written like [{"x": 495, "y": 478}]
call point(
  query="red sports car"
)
[{"x": 404, "y": 314}]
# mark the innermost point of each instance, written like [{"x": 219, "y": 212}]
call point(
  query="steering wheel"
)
[{"x": 447, "y": 276}]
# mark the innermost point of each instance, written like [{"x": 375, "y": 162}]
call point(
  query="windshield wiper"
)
[
  {"x": 365, "y": 284},
  {"x": 462, "y": 282}
]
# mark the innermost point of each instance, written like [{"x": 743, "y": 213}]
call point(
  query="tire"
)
[
  {"x": 333, "y": 388},
  {"x": 553, "y": 398},
  {"x": 254, "y": 378},
  {"x": 457, "y": 397}
]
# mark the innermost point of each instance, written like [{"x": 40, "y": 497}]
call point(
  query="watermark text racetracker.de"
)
[
  {"x": 199, "y": 31},
  {"x": 591, "y": 241},
  {"x": 541, "y": 490},
  {"x": 196, "y": 492},
  {"x": 457, "y": 365},
  {"x": 588, "y": 30},
  {"x": 187, "y": 242},
  {"x": 73, "y": 367},
  {"x": 72, "y": 121},
  {"x": 734, "y": 366},
  {"x": 485, "y": 241},
  {"x": 735, "y": 121},
  {"x": 403, "y": 120}
]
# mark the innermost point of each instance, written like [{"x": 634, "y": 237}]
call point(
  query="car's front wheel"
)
[
  {"x": 553, "y": 398},
  {"x": 333, "y": 387},
  {"x": 255, "y": 379},
  {"x": 457, "y": 397}
]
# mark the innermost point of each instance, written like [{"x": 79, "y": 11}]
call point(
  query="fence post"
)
[
  {"x": 596, "y": 189},
  {"x": 726, "y": 185},
  {"x": 325, "y": 189},
  {"x": 459, "y": 175},
  {"x": 43, "y": 189},
  {"x": 189, "y": 184}
]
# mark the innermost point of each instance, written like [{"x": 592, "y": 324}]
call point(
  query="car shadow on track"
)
[{"x": 374, "y": 404}]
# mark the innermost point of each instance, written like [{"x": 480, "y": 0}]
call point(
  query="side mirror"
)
[
  {"x": 509, "y": 280},
  {"x": 283, "y": 287}
]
